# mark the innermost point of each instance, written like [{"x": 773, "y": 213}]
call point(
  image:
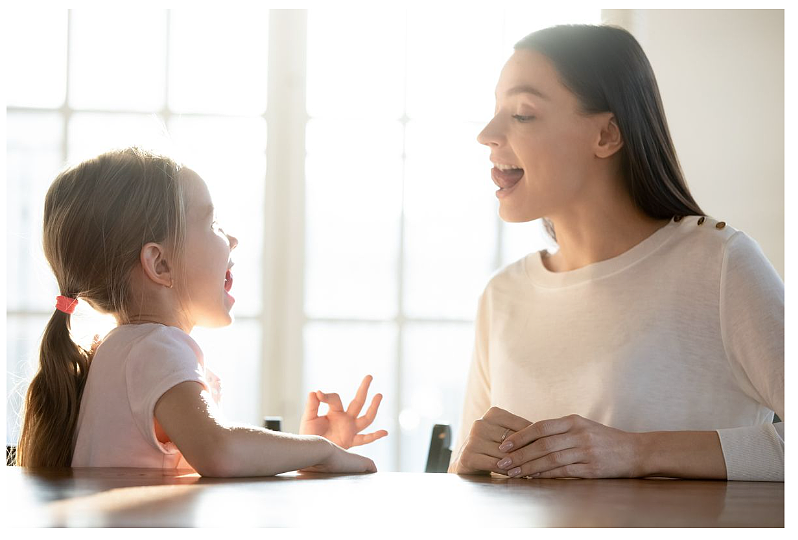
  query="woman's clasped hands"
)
[{"x": 567, "y": 447}]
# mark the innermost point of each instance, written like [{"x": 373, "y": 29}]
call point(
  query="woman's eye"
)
[{"x": 522, "y": 118}]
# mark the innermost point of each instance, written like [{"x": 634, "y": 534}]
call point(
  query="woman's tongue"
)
[{"x": 508, "y": 178}]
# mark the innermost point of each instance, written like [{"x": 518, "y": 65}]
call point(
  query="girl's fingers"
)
[
  {"x": 364, "y": 421},
  {"x": 360, "y": 397},
  {"x": 367, "y": 438},
  {"x": 311, "y": 408},
  {"x": 333, "y": 400}
]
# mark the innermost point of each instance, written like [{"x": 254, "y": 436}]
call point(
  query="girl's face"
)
[
  {"x": 206, "y": 290},
  {"x": 540, "y": 143}
]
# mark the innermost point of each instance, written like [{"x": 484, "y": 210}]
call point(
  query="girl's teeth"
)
[{"x": 502, "y": 167}]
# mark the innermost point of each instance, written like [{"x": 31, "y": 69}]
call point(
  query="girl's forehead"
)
[{"x": 197, "y": 194}]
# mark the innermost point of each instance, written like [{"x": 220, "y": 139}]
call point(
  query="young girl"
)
[
  {"x": 133, "y": 234},
  {"x": 652, "y": 342}
]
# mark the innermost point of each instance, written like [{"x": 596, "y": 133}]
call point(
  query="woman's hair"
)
[
  {"x": 97, "y": 217},
  {"x": 607, "y": 70}
]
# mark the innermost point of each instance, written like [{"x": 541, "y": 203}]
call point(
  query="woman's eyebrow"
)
[{"x": 526, "y": 89}]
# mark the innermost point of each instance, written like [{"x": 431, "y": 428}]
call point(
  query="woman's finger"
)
[
  {"x": 360, "y": 397},
  {"x": 471, "y": 462},
  {"x": 544, "y": 428},
  {"x": 364, "y": 421},
  {"x": 538, "y": 449},
  {"x": 574, "y": 470},
  {"x": 505, "y": 419},
  {"x": 367, "y": 438},
  {"x": 549, "y": 462},
  {"x": 333, "y": 400}
]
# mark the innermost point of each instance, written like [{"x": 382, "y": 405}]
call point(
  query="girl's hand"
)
[
  {"x": 480, "y": 453},
  {"x": 571, "y": 446},
  {"x": 341, "y": 461},
  {"x": 339, "y": 426}
]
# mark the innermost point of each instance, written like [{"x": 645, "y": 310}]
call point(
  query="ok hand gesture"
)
[{"x": 341, "y": 426}]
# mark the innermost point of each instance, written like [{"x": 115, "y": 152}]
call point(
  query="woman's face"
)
[{"x": 541, "y": 145}]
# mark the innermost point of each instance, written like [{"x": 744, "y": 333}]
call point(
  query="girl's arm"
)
[{"x": 187, "y": 414}]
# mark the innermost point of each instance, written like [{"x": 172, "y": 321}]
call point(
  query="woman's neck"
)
[{"x": 597, "y": 232}]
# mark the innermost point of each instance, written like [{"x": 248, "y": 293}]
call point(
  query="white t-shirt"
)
[
  {"x": 132, "y": 368},
  {"x": 685, "y": 331}
]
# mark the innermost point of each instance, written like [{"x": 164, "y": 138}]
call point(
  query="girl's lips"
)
[
  {"x": 228, "y": 281},
  {"x": 506, "y": 179}
]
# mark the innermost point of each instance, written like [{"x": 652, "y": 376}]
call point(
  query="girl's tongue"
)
[{"x": 228, "y": 281}]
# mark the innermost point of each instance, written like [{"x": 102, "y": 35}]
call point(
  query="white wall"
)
[{"x": 721, "y": 75}]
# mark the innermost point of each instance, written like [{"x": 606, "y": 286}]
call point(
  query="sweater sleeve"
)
[
  {"x": 477, "y": 394},
  {"x": 752, "y": 328}
]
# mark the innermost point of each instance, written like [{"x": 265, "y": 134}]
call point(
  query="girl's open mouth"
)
[{"x": 228, "y": 281}]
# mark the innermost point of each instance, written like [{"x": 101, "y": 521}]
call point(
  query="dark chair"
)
[{"x": 439, "y": 449}]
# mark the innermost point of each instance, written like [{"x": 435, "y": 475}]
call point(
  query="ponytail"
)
[{"x": 52, "y": 403}]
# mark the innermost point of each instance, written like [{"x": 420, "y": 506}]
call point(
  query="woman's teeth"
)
[{"x": 503, "y": 167}]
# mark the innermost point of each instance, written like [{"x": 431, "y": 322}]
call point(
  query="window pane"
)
[
  {"x": 36, "y": 72},
  {"x": 22, "y": 347},
  {"x": 434, "y": 372},
  {"x": 91, "y": 134},
  {"x": 356, "y": 70},
  {"x": 218, "y": 60},
  {"x": 452, "y": 73},
  {"x": 338, "y": 356},
  {"x": 34, "y": 158},
  {"x": 450, "y": 220},
  {"x": 233, "y": 353},
  {"x": 353, "y": 208},
  {"x": 118, "y": 59},
  {"x": 521, "y": 239},
  {"x": 230, "y": 155}
]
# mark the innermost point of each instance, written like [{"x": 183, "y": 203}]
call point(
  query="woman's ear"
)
[
  {"x": 154, "y": 264},
  {"x": 610, "y": 140}
]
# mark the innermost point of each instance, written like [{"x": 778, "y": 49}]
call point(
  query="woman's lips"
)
[{"x": 506, "y": 179}]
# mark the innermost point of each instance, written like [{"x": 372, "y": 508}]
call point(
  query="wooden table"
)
[{"x": 148, "y": 497}]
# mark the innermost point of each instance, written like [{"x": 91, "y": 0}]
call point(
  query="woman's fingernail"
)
[
  {"x": 506, "y": 462},
  {"x": 505, "y": 446},
  {"x": 515, "y": 472},
  {"x": 534, "y": 475}
]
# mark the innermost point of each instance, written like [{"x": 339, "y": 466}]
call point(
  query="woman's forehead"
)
[{"x": 528, "y": 71}]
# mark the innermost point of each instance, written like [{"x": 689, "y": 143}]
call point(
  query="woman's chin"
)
[{"x": 512, "y": 214}]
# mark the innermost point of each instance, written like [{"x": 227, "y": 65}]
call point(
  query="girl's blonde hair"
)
[{"x": 97, "y": 217}]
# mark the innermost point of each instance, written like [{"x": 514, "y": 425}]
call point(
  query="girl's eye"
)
[{"x": 522, "y": 118}]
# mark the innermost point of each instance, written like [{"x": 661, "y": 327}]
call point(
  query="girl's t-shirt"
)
[{"x": 132, "y": 368}]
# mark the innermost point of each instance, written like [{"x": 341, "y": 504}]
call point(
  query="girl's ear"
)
[
  {"x": 610, "y": 140},
  {"x": 154, "y": 264}
]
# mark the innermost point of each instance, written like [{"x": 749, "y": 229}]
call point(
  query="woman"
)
[{"x": 652, "y": 342}]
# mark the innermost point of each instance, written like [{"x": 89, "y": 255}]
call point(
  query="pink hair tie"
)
[{"x": 65, "y": 304}]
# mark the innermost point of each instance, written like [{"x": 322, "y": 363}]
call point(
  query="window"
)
[{"x": 365, "y": 240}]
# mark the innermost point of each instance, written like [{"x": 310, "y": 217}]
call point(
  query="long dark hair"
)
[
  {"x": 97, "y": 217},
  {"x": 607, "y": 70}
]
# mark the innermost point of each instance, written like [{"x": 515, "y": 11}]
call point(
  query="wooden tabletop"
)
[{"x": 150, "y": 497}]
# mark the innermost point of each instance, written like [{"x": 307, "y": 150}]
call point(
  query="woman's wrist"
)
[{"x": 679, "y": 454}]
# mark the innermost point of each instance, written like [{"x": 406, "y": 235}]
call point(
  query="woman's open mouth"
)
[{"x": 506, "y": 176}]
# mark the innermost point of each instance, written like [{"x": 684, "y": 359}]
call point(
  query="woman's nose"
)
[
  {"x": 490, "y": 136},
  {"x": 233, "y": 241}
]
